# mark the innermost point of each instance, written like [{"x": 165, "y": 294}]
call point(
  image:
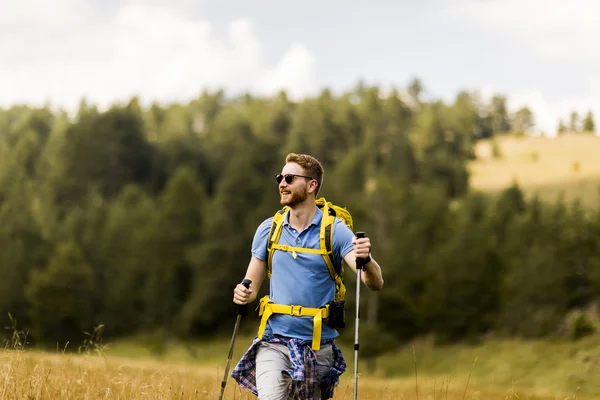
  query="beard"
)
[{"x": 294, "y": 197}]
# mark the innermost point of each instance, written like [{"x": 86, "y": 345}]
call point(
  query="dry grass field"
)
[
  {"x": 547, "y": 166},
  {"x": 33, "y": 375},
  {"x": 496, "y": 369}
]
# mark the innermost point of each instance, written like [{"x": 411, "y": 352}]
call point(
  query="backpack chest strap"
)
[
  {"x": 268, "y": 308},
  {"x": 294, "y": 250}
]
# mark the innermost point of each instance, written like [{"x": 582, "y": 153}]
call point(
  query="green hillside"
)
[{"x": 547, "y": 166}]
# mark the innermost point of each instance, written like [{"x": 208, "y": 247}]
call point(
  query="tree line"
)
[
  {"x": 141, "y": 218},
  {"x": 576, "y": 125}
]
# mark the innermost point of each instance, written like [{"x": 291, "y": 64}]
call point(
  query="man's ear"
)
[{"x": 313, "y": 187}]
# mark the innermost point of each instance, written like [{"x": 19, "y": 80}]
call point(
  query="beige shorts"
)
[{"x": 272, "y": 359}]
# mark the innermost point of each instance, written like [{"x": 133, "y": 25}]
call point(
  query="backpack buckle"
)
[{"x": 296, "y": 311}]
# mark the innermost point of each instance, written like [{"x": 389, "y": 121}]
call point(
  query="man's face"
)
[{"x": 296, "y": 192}]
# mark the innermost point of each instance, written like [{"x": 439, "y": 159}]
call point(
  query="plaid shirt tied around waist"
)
[{"x": 303, "y": 372}]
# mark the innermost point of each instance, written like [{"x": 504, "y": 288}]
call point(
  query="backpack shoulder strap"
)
[
  {"x": 326, "y": 240},
  {"x": 274, "y": 233}
]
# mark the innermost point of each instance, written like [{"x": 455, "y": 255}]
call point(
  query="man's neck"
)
[{"x": 302, "y": 215}]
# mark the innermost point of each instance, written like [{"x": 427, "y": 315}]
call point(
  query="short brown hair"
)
[{"x": 311, "y": 166}]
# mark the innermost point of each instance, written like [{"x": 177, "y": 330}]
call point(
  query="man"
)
[{"x": 283, "y": 364}]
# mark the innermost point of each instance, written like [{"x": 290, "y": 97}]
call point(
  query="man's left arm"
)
[
  {"x": 371, "y": 275},
  {"x": 349, "y": 247}
]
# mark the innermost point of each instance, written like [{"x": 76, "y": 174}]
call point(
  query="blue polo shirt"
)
[{"x": 302, "y": 281}]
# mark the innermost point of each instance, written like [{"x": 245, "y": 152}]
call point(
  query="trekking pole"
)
[
  {"x": 242, "y": 310},
  {"x": 359, "y": 268}
]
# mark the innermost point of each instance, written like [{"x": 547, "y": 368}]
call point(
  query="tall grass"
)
[
  {"x": 133, "y": 370},
  {"x": 39, "y": 375}
]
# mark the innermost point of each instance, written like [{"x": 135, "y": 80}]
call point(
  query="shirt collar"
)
[{"x": 315, "y": 221}]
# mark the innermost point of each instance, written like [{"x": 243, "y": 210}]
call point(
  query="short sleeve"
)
[
  {"x": 259, "y": 242},
  {"x": 342, "y": 238}
]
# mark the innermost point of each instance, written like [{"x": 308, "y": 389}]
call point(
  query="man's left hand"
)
[{"x": 362, "y": 247}]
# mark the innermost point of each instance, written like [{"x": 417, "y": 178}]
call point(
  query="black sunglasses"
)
[{"x": 289, "y": 178}]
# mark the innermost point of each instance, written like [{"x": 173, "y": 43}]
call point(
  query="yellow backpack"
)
[
  {"x": 319, "y": 315},
  {"x": 330, "y": 211}
]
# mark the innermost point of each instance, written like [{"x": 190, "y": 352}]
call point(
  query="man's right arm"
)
[{"x": 257, "y": 270}]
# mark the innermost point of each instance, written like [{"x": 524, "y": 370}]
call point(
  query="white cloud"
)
[
  {"x": 41, "y": 13},
  {"x": 554, "y": 30},
  {"x": 60, "y": 53},
  {"x": 296, "y": 70}
]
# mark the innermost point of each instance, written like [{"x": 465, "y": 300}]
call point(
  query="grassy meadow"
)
[
  {"x": 547, "y": 166},
  {"x": 145, "y": 368},
  {"x": 420, "y": 370},
  {"x": 55, "y": 376}
]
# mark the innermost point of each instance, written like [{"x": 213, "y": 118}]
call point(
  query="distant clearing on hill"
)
[{"x": 547, "y": 166}]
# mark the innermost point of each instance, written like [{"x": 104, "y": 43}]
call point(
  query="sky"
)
[{"x": 538, "y": 53}]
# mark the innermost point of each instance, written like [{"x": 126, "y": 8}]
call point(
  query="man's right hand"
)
[{"x": 241, "y": 295}]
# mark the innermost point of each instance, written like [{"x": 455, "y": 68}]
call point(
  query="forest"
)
[{"x": 141, "y": 219}]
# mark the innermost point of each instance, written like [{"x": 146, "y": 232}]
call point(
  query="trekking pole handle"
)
[
  {"x": 360, "y": 262},
  {"x": 243, "y": 308}
]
